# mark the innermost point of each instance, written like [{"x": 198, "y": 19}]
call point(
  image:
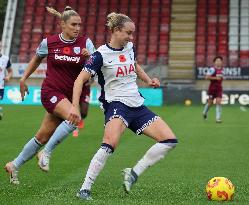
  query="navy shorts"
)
[
  {"x": 1, "y": 93},
  {"x": 135, "y": 118}
]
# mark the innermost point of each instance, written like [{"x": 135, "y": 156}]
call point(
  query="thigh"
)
[
  {"x": 49, "y": 124},
  {"x": 62, "y": 109},
  {"x": 113, "y": 131},
  {"x": 159, "y": 131}
]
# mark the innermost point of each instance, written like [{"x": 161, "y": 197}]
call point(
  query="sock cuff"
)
[
  {"x": 37, "y": 142},
  {"x": 69, "y": 125},
  {"x": 107, "y": 147},
  {"x": 169, "y": 141}
]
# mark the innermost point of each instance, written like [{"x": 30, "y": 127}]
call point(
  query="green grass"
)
[{"x": 205, "y": 150}]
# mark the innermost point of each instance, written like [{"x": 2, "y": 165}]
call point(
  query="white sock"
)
[
  {"x": 96, "y": 165},
  {"x": 157, "y": 152},
  {"x": 206, "y": 108},
  {"x": 59, "y": 135},
  {"x": 28, "y": 151},
  {"x": 218, "y": 112}
]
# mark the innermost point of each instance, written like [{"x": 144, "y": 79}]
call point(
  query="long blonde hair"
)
[
  {"x": 65, "y": 15},
  {"x": 117, "y": 20}
]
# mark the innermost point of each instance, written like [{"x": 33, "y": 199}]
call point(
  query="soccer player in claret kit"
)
[
  {"x": 215, "y": 75},
  {"x": 5, "y": 64},
  {"x": 66, "y": 53},
  {"x": 115, "y": 65}
]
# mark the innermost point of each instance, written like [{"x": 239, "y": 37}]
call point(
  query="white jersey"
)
[
  {"x": 116, "y": 73},
  {"x": 4, "y": 64}
]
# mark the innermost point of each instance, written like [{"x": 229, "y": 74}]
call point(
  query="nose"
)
[{"x": 131, "y": 37}]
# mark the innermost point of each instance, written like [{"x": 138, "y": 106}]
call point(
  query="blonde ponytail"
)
[{"x": 117, "y": 20}]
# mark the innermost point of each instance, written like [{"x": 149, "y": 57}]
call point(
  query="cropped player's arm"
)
[
  {"x": 74, "y": 114},
  {"x": 33, "y": 65},
  {"x": 144, "y": 77},
  {"x": 9, "y": 75}
]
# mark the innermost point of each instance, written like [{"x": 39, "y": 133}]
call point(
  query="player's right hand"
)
[
  {"x": 23, "y": 89},
  {"x": 74, "y": 115}
]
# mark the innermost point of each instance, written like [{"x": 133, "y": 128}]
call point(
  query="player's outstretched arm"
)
[
  {"x": 144, "y": 77},
  {"x": 33, "y": 65},
  {"x": 74, "y": 114}
]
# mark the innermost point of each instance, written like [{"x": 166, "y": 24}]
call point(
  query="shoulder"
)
[{"x": 53, "y": 38}]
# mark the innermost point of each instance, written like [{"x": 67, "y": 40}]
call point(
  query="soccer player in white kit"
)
[
  {"x": 5, "y": 64},
  {"x": 115, "y": 65}
]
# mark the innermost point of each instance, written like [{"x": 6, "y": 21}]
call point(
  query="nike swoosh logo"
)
[{"x": 109, "y": 61}]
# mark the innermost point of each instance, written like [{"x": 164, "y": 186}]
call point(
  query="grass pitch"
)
[{"x": 205, "y": 150}]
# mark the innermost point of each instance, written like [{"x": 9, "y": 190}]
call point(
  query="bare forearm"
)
[
  {"x": 33, "y": 65},
  {"x": 78, "y": 86},
  {"x": 141, "y": 74}
]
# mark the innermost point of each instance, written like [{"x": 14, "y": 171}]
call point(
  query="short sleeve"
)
[
  {"x": 89, "y": 46},
  {"x": 135, "y": 53},
  {"x": 42, "y": 50},
  {"x": 94, "y": 63},
  {"x": 8, "y": 64},
  {"x": 211, "y": 71}
]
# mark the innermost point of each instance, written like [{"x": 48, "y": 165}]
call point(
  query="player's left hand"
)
[
  {"x": 154, "y": 83},
  {"x": 85, "y": 53}
]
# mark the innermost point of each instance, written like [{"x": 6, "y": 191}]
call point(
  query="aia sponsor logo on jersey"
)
[
  {"x": 66, "y": 50},
  {"x": 122, "y": 58},
  {"x": 123, "y": 71}
]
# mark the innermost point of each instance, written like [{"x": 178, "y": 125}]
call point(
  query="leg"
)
[
  {"x": 48, "y": 126},
  {"x": 218, "y": 109},
  {"x": 83, "y": 110},
  {"x": 166, "y": 141},
  {"x": 61, "y": 132},
  {"x": 1, "y": 109},
  {"x": 207, "y": 106},
  {"x": 112, "y": 133}
]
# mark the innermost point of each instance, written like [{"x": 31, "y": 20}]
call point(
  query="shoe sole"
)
[{"x": 124, "y": 187}]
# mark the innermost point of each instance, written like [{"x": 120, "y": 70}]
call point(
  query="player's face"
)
[
  {"x": 218, "y": 63},
  {"x": 71, "y": 28},
  {"x": 125, "y": 34}
]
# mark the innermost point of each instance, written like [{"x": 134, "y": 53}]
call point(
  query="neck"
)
[
  {"x": 66, "y": 37},
  {"x": 115, "y": 44}
]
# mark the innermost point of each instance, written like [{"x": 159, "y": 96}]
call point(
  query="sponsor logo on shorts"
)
[
  {"x": 67, "y": 58},
  {"x": 53, "y": 99}
]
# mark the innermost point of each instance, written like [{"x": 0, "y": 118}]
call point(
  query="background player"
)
[
  {"x": 65, "y": 52},
  {"x": 215, "y": 87},
  {"x": 5, "y": 65},
  {"x": 115, "y": 65}
]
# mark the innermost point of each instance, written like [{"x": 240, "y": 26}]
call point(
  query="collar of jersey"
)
[
  {"x": 114, "y": 49},
  {"x": 64, "y": 40}
]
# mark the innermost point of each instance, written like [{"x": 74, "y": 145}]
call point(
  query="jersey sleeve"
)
[
  {"x": 94, "y": 63},
  {"x": 211, "y": 71},
  {"x": 135, "y": 53},
  {"x": 89, "y": 46},
  {"x": 8, "y": 64},
  {"x": 42, "y": 50}
]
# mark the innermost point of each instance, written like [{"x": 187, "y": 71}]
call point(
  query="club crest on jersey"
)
[
  {"x": 122, "y": 58},
  {"x": 66, "y": 50},
  {"x": 123, "y": 71},
  {"x": 76, "y": 50},
  {"x": 90, "y": 60}
]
